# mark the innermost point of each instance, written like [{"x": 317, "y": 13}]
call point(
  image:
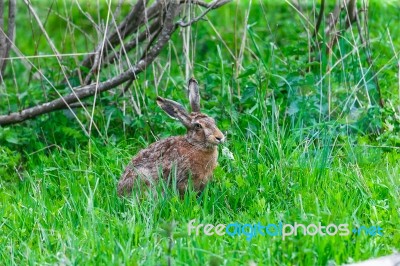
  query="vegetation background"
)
[{"x": 307, "y": 141}]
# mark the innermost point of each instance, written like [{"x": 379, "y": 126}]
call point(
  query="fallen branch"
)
[
  {"x": 132, "y": 24},
  {"x": 154, "y": 27},
  {"x": 134, "y": 20},
  {"x": 159, "y": 39}
]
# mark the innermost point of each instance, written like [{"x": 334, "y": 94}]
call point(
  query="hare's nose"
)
[{"x": 219, "y": 139}]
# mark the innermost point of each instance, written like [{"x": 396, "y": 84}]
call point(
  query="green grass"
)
[
  {"x": 66, "y": 209},
  {"x": 302, "y": 153}
]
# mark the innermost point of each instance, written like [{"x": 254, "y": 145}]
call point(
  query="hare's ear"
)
[
  {"x": 175, "y": 110},
  {"x": 194, "y": 96}
]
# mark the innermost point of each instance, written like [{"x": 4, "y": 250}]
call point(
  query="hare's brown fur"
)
[{"x": 192, "y": 155}]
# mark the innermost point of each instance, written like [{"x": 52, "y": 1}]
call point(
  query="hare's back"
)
[{"x": 165, "y": 149}]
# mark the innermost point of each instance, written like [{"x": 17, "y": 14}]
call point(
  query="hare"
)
[{"x": 192, "y": 155}]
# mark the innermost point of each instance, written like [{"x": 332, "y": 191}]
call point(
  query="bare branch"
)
[
  {"x": 131, "y": 23},
  {"x": 92, "y": 89},
  {"x": 6, "y": 39},
  {"x": 159, "y": 32},
  {"x": 3, "y": 37},
  {"x": 351, "y": 9},
  {"x": 125, "y": 29},
  {"x": 80, "y": 93},
  {"x": 168, "y": 28},
  {"x": 320, "y": 17},
  {"x": 11, "y": 31},
  {"x": 333, "y": 18},
  {"x": 210, "y": 6},
  {"x": 155, "y": 26},
  {"x": 215, "y": 4}
]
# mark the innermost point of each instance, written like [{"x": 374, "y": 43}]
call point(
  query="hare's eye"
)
[{"x": 197, "y": 126}]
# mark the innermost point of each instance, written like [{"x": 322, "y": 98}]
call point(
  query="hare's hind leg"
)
[
  {"x": 127, "y": 181},
  {"x": 135, "y": 180},
  {"x": 125, "y": 184}
]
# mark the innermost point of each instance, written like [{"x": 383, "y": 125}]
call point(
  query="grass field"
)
[{"x": 306, "y": 143}]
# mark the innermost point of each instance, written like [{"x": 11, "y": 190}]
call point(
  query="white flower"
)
[{"x": 227, "y": 153}]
